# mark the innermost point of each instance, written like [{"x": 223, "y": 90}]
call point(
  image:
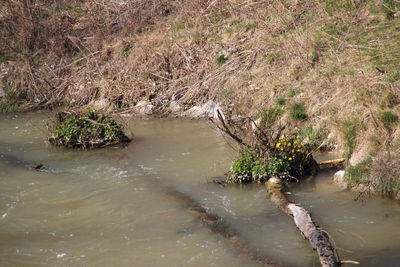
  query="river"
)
[{"x": 110, "y": 207}]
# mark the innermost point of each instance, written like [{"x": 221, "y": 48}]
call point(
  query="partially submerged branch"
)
[{"x": 318, "y": 238}]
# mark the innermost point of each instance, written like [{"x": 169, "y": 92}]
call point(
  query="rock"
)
[
  {"x": 101, "y": 104},
  {"x": 208, "y": 110},
  {"x": 256, "y": 124},
  {"x": 144, "y": 107},
  {"x": 175, "y": 107},
  {"x": 339, "y": 179},
  {"x": 397, "y": 196}
]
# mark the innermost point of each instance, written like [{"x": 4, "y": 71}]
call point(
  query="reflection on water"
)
[{"x": 109, "y": 207}]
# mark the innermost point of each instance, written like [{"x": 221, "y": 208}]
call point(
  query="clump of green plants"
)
[
  {"x": 270, "y": 115},
  {"x": 314, "y": 138},
  {"x": 393, "y": 77},
  {"x": 9, "y": 103},
  {"x": 292, "y": 92},
  {"x": 286, "y": 158},
  {"x": 358, "y": 173},
  {"x": 280, "y": 101},
  {"x": 6, "y": 107},
  {"x": 87, "y": 129},
  {"x": 297, "y": 112},
  {"x": 349, "y": 131},
  {"x": 388, "y": 118},
  {"x": 221, "y": 60}
]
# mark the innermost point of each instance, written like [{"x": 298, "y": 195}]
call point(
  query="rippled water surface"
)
[{"x": 112, "y": 207}]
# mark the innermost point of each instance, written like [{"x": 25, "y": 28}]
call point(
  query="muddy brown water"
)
[{"x": 108, "y": 207}]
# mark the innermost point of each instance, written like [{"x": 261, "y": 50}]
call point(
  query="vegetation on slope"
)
[{"x": 329, "y": 67}]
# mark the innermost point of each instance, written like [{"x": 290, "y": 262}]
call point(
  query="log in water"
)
[{"x": 318, "y": 238}]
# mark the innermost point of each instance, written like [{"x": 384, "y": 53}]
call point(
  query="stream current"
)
[{"x": 109, "y": 207}]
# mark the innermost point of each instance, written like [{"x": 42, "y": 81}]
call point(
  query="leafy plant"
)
[
  {"x": 89, "y": 129},
  {"x": 287, "y": 158}
]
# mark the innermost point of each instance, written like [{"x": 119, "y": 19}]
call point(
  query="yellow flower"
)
[
  {"x": 289, "y": 144},
  {"x": 278, "y": 144},
  {"x": 292, "y": 150},
  {"x": 290, "y": 158}
]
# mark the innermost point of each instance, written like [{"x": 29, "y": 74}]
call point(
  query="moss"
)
[{"x": 89, "y": 129}]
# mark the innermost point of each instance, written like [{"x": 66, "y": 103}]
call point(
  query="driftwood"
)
[
  {"x": 318, "y": 238},
  {"x": 334, "y": 163}
]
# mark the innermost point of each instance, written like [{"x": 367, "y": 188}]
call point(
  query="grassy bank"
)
[{"x": 329, "y": 68}]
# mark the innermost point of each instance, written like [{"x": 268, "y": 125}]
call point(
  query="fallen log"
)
[
  {"x": 318, "y": 238},
  {"x": 334, "y": 163}
]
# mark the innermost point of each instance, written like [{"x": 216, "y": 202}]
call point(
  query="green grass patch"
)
[
  {"x": 220, "y": 60},
  {"x": 6, "y": 107},
  {"x": 281, "y": 101},
  {"x": 388, "y": 118},
  {"x": 297, "y": 112},
  {"x": 358, "y": 173},
  {"x": 312, "y": 137},
  {"x": 273, "y": 57},
  {"x": 4, "y": 57},
  {"x": 270, "y": 115},
  {"x": 393, "y": 77},
  {"x": 349, "y": 132},
  {"x": 292, "y": 92}
]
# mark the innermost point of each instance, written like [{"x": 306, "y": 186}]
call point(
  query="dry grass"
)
[{"x": 341, "y": 57}]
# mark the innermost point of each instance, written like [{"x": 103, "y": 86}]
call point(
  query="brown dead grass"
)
[{"x": 337, "y": 56}]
